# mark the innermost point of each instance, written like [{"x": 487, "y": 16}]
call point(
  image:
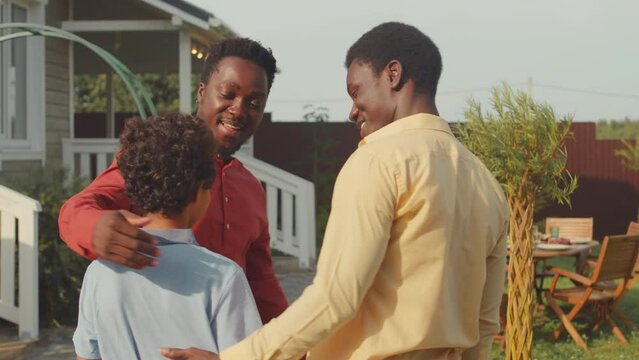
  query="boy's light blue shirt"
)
[{"x": 194, "y": 297}]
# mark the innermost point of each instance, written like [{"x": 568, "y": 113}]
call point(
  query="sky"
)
[{"x": 581, "y": 56}]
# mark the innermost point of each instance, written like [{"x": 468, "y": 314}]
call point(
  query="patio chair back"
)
[
  {"x": 571, "y": 227},
  {"x": 633, "y": 228},
  {"x": 617, "y": 258}
]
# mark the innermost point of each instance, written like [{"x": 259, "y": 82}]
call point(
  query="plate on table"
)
[
  {"x": 580, "y": 240},
  {"x": 553, "y": 246}
]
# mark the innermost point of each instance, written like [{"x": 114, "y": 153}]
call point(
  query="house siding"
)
[
  {"x": 11, "y": 169},
  {"x": 57, "y": 110}
]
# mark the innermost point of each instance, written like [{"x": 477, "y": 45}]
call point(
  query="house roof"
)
[
  {"x": 191, "y": 9},
  {"x": 193, "y": 15}
]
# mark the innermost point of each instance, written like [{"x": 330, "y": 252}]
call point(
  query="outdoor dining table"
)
[{"x": 579, "y": 250}]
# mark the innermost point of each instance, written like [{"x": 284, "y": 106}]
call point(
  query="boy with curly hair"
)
[{"x": 193, "y": 294}]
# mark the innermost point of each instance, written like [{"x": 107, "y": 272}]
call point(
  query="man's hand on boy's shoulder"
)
[
  {"x": 188, "y": 354},
  {"x": 118, "y": 238}
]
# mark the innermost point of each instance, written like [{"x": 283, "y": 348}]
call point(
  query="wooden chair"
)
[
  {"x": 633, "y": 229},
  {"x": 616, "y": 260},
  {"x": 577, "y": 227},
  {"x": 568, "y": 228},
  {"x": 571, "y": 227}
]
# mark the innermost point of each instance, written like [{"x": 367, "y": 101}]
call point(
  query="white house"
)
[{"x": 37, "y": 117}]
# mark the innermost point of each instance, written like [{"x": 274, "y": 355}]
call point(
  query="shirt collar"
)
[
  {"x": 416, "y": 121},
  {"x": 173, "y": 236}
]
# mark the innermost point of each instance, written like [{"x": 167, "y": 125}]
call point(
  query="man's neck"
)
[{"x": 416, "y": 103}]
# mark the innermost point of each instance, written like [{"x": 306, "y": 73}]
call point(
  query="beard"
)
[{"x": 227, "y": 150}]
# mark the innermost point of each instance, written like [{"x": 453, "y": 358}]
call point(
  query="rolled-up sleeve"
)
[
  {"x": 355, "y": 243},
  {"x": 85, "y": 337},
  {"x": 79, "y": 215}
]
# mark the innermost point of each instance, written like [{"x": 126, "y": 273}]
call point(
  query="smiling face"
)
[
  {"x": 373, "y": 102},
  {"x": 232, "y": 102}
]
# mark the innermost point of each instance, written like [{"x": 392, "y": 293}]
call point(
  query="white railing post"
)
[
  {"x": 271, "y": 211},
  {"x": 84, "y": 149},
  {"x": 28, "y": 280},
  {"x": 17, "y": 207},
  {"x": 306, "y": 227},
  {"x": 302, "y": 243}
]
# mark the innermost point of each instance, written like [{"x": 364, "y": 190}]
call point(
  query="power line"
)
[
  {"x": 591, "y": 92},
  {"x": 470, "y": 90}
]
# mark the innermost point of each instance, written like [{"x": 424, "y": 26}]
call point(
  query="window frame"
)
[{"x": 33, "y": 147}]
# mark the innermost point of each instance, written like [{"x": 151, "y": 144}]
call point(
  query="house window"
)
[
  {"x": 21, "y": 79},
  {"x": 13, "y": 76}
]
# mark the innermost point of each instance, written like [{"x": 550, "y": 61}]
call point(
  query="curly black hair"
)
[
  {"x": 165, "y": 160},
  {"x": 243, "y": 48},
  {"x": 418, "y": 54}
]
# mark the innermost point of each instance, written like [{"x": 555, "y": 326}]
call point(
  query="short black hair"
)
[
  {"x": 164, "y": 160},
  {"x": 418, "y": 54},
  {"x": 243, "y": 48}
]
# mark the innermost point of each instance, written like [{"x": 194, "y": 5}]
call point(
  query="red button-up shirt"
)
[{"x": 235, "y": 225}]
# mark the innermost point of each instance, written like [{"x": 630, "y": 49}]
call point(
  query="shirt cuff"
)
[
  {"x": 238, "y": 351},
  {"x": 79, "y": 234}
]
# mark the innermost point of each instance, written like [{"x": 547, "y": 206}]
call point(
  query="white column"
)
[
  {"x": 110, "y": 105},
  {"x": 184, "y": 72},
  {"x": 36, "y": 92}
]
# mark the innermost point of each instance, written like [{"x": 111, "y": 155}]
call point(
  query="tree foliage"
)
[
  {"x": 629, "y": 154},
  {"x": 618, "y": 129},
  {"x": 91, "y": 92},
  {"x": 522, "y": 143}
]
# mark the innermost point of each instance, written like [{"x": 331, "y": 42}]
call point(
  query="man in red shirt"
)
[{"x": 100, "y": 222}]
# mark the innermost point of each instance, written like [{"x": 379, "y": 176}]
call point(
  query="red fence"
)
[{"x": 607, "y": 191}]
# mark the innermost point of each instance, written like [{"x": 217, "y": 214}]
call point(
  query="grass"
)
[{"x": 602, "y": 344}]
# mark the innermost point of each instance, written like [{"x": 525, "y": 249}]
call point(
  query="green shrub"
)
[{"x": 61, "y": 270}]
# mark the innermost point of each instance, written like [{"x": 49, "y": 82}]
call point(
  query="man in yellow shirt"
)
[{"x": 412, "y": 265}]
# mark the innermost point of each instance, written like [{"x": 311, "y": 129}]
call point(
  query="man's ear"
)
[
  {"x": 200, "y": 92},
  {"x": 394, "y": 71}
]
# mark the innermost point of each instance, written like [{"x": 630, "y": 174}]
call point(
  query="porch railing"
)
[
  {"x": 290, "y": 200},
  {"x": 19, "y": 234}
]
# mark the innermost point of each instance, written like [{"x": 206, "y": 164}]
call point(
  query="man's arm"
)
[
  {"x": 355, "y": 243},
  {"x": 96, "y": 223},
  {"x": 491, "y": 300},
  {"x": 267, "y": 291}
]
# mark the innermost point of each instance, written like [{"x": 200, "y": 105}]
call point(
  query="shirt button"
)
[
  {"x": 228, "y": 226},
  {"x": 226, "y": 199}
]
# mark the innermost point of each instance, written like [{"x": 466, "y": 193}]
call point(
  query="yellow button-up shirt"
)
[{"x": 412, "y": 265}]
